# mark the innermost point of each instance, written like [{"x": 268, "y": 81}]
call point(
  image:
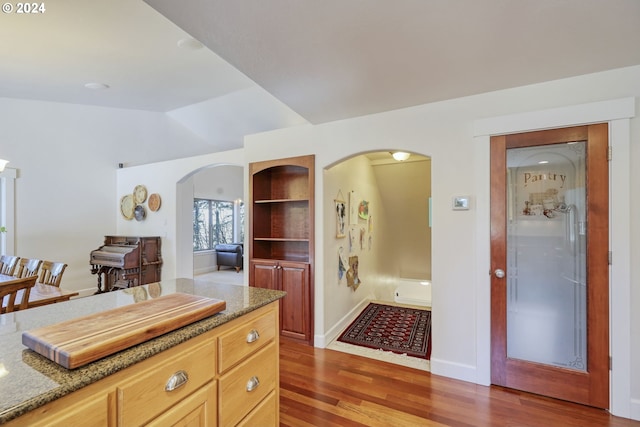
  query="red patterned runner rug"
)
[{"x": 401, "y": 330}]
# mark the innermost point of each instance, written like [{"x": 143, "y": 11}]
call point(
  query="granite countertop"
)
[{"x": 28, "y": 380}]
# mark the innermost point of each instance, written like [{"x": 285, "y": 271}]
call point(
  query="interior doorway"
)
[
  {"x": 212, "y": 186},
  {"x": 549, "y": 256},
  {"x": 389, "y": 236}
]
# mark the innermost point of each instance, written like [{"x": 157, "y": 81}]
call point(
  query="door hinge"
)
[
  {"x": 610, "y": 258},
  {"x": 609, "y": 153},
  {"x": 610, "y": 363}
]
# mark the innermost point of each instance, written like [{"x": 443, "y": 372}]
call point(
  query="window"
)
[{"x": 216, "y": 221}]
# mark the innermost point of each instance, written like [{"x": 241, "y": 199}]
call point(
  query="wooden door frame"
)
[{"x": 617, "y": 113}]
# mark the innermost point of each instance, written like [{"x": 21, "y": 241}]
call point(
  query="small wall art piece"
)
[
  {"x": 140, "y": 194},
  {"x": 353, "y": 208},
  {"x": 343, "y": 264},
  {"x": 341, "y": 218},
  {"x": 352, "y": 240},
  {"x": 154, "y": 202},
  {"x": 363, "y": 209},
  {"x": 353, "y": 281},
  {"x": 127, "y": 205}
]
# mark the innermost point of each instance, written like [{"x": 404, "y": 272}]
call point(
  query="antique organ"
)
[{"x": 126, "y": 261}]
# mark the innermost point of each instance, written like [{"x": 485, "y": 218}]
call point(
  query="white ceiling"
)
[
  {"x": 124, "y": 44},
  {"x": 335, "y": 59},
  {"x": 301, "y": 60}
]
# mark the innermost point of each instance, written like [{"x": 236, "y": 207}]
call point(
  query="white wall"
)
[
  {"x": 445, "y": 132},
  {"x": 355, "y": 174},
  {"x": 40, "y": 137},
  {"x": 405, "y": 188},
  {"x": 174, "y": 221},
  {"x": 66, "y": 158},
  {"x": 224, "y": 182}
]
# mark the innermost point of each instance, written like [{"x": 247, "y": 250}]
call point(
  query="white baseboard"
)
[
  {"x": 205, "y": 270},
  {"x": 635, "y": 409},
  {"x": 322, "y": 341},
  {"x": 453, "y": 370}
]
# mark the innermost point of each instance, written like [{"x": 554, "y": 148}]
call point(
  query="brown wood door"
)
[
  {"x": 264, "y": 274},
  {"x": 296, "y": 307},
  {"x": 549, "y": 263}
]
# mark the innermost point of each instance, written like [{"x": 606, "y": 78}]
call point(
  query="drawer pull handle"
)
[
  {"x": 177, "y": 380},
  {"x": 253, "y": 384},
  {"x": 253, "y": 336}
]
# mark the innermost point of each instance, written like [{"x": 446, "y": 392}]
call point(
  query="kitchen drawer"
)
[
  {"x": 147, "y": 388},
  {"x": 246, "y": 385},
  {"x": 240, "y": 342},
  {"x": 265, "y": 414},
  {"x": 197, "y": 410}
]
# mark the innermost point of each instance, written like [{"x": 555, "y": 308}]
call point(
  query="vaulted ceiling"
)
[{"x": 277, "y": 63}]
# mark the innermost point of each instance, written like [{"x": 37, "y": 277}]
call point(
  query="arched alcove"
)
[{"x": 392, "y": 241}]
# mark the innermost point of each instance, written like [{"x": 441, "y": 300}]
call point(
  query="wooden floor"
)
[{"x": 321, "y": 387}]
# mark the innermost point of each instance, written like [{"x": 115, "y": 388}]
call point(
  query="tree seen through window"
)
[{"x": 212, "y": 223}]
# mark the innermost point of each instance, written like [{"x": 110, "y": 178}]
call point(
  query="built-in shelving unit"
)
[{"x": 281, "y": 237}]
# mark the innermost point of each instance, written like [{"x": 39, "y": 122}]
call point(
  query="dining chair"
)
[
  {"x": 11, "y": 289},
  {"x": 28, "y": 267},
  {"x": 8, "y": 264},
  {"x": 51, "y": 273}
]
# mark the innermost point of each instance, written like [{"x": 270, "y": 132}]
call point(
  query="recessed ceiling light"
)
[
  {"x": 96, "y": 86},
  {"x": 189, "y": 44},
  {"x": 543, "y": 162}
]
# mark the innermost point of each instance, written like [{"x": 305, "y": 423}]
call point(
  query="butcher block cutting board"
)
[{"x": 83, "y": 340}]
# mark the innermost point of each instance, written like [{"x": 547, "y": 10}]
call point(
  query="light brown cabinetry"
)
[
  {"x": 281, "y": 238},
  {"x": 224, "y": 377},
  {"x": 182, "y": 374},
  {"x": 198, "y": 409},
  {"x": 87, "y": 408}
]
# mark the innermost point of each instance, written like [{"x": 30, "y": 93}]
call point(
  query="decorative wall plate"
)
[
  {"x": 155, "y": 290},
  {"x": 154, "y": 202},
  {"x": 127, "y": 205},
  {"x": 140, "y": 194},
  {"x": 140, "y": 213}
]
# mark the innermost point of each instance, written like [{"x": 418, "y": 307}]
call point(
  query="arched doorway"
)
[
  {"x": 391, "y": 241},
  {"x": 222, "y": 183}
]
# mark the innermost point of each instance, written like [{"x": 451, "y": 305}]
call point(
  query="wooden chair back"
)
[
  {"x": 28, "y": 267},
  {"x": 8, "y": 264},
  {"x": 9, "y": 292},
  {"x": 51, "y": 272}
]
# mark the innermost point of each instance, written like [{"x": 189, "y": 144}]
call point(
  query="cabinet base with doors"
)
[
  {"x": 281, "y": 238},
  {"x": 228, "y": 376}
]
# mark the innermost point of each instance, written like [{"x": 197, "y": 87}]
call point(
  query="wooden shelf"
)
[
  {"x": 280, "y": 200},
  {"x": 281, "y": 237}
]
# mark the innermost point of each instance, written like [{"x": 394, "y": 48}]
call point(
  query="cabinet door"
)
[
  {"x": 265, "y": 414},
  {"x": 70, "y": 411},
  {"x": 197, "y": 410},
  {"x": 264, "y": 274},
  {"x": 295, "y": 314}
]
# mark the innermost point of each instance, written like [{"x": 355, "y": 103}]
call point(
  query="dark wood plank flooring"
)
[{"x": 320, "y": 387}]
